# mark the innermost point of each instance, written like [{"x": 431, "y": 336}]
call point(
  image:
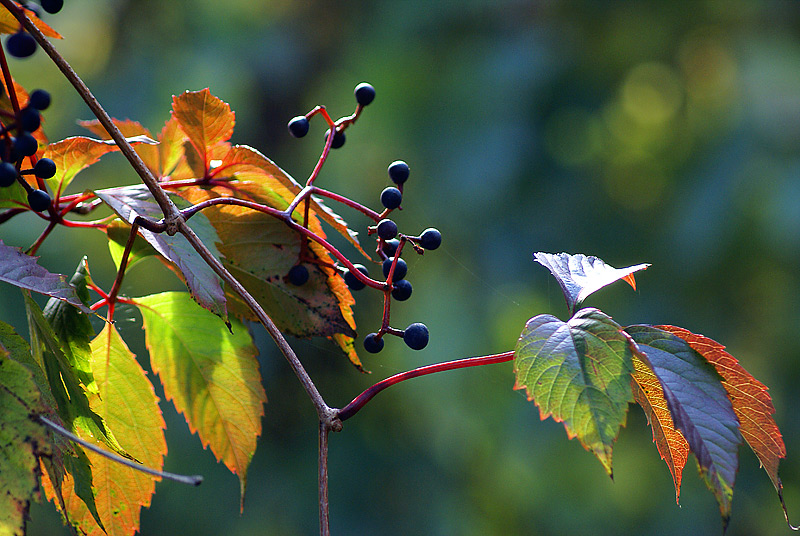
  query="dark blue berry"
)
[
  {"x": 39, "y": 99},
  {"x": 390, "y": 247},
  {"x": 8, "y": 174},
  {"x": 416, "y": 336},
  {"x": 430, "y": 239},
  {"x": 402, "y": 290},
  {"x": 298, "y": 274},
  {"x": 387, "y": 229},
  {"x": 29, "y": 119},
  {"x": 338, "y": 139},
  {"x": 26, "y": 144},
  {"x": 39, "y": 200},
  {"x": 298, "y": 127},
  {"x": 44, "y": 168},
  {"x": 400, "y": 269},
  {"x": 352, "y": 281},
  {"x": 21, "y": 44},
  {"x": 52, "y": 6},
  {"x": 398, "y": 172},
  {"x": 391, "y": 197},
  {"x": 372, "y": 343},
  {"x": 365, "y": 93}
]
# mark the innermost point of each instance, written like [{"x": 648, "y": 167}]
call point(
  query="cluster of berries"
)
[
  {"x": 22, "y": 44},
  {"x": 13, "y": 149},
  {"x": 394, "y": 268}
]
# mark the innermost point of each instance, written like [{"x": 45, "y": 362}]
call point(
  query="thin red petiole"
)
[{"x": 358, "y": 402}]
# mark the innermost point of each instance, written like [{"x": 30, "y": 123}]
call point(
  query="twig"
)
[
  {"x": 324, "y": 514},
  {"x": 192, "y": 480}
]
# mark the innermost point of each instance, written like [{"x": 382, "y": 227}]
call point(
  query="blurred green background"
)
[{"x": 656, "y": 132}]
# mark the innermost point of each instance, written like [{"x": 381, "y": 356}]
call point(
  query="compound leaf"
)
[
  {"x": 699, "y": 406},
  {"x": 25, "y": 272},
  {"x": 580, "y": 373},
  {"x": 750, "y": 398},
  {"x": 203, "y": 283},
  {"x": 580, "y": 276},
  {"x": 128, "y": 404},
  {"x": 23, "y": 440},
  {"x": 210, "y": 373}
]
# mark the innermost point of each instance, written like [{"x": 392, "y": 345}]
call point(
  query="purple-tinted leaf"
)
[
  {"x": 699, "y": 406},
  {"x": 204, "y": 285},
  {"x": 580, "y": 276},
  {"x": 23, "y": 271}
]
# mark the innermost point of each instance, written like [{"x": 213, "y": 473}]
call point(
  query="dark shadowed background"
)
[{"x": 656, "y": 132}]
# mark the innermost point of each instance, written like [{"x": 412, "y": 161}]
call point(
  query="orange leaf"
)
[
  {"x": 749, "y": 397},
  {"x": 205, "y": 119},
  {"x": 129, "y": 129},
  {"x": 10, "y": 24},
  {"x": 671, "y": 444}
]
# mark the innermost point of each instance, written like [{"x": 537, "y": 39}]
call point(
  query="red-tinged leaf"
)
[
  {"x": 127, "y": 402},
  {"x": 699, "y": 406},
  {"x": 750, "y": 398},
  {"x": 204, "y": 284},
  {"x": 130, "y": 129},
  {"x": 205, "y": 119},
  {"x": 580, "y": 276},
  {"x": 74, "y": 154},
  {"x": 210, "y": 374},
  {"x": 578, "y": 372},
  {"x": 671, "y": 444},
  {"x": 23, "y": 440},
  {"x": 259, "y": 250},
  {"x": 9, "y": 23},
  {"x": 247, "y": 164},
  {"x": 24, "y": 272}
]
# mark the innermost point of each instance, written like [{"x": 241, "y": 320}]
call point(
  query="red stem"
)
[{"x": 358, "y": 402}]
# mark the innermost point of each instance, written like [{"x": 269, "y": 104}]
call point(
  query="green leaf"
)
[
  {"x": 127, "y": 402},
  {"x": 24, "y": 272},
  {"x": 259, "y": 250},
  {"x": 118, "y": 232},
  {"x": 210, "y": 374},
  {"x": 204, "y": 285},
  {"x": 22, "y": 441},
  {"x": 580, "y": 373},
  {"x": 70, "y": 397},
  {"x": 74, "y": 329},
  {"x": 699, "y": 406},
  {"x": 580, "y": 276},
  {"x": 74, "y": 154}
]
